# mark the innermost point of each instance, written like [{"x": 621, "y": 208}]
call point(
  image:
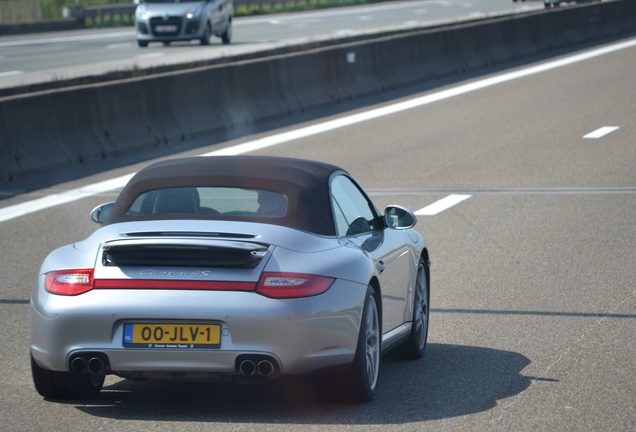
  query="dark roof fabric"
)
[{"x": 304, "y": 183}]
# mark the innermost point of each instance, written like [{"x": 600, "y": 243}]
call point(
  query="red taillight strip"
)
[
  {"x": 173, "y": 285},
  {"x": 279, "y": 285}
]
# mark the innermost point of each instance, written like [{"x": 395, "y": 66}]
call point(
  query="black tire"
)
[
  {"x": 65, "y": 385},
  {"x": 205, "y": 39},
  {"x": 142, "y": 44},
  {"x": 360, "y": 382},
  {"x": 226, "y": 36},
  {"x": 366, "y": 364},
  {"x": 415, "y": 345}
]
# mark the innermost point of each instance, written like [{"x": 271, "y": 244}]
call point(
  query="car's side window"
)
[{"x": 353, "y": 212}]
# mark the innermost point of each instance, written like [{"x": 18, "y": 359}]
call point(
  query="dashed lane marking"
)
[
  {"x": 600, "y": 133},
  {"x": 441, "y": 205}
]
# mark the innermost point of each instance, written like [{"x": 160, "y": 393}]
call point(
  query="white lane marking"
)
[
  {"x": 118, "y": 45},
  {"x": 72, "y": 195},
  {"x": 600, "y": 133},
  {"x": 441, "y": 205},
  {"x": 149, "y": 55},
  {"x": 343, "y": 33},
  {"x": 33, "y": 206},
  {"x": 66, "y": 39},
  {"x": 10, "y": 73}
]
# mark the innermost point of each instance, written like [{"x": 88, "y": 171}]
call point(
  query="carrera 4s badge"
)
[{"x": 167, "y": 273}]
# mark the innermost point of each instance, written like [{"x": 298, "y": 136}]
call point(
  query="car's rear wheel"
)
[
  {"x": 142, "y": 44},
  {"x": 366, "y": 364},
  {"x": 360, "y": 382},
  {"x": 205, "y": 39},
  {"x": 226, "y": 36},
  {"x": 415, "y": 345},
  {"x": 65, "y": 385}
]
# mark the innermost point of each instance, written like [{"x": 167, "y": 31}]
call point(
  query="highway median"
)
[{"x": 84, "y": 126}]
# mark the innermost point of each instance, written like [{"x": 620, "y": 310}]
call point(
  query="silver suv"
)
[{"x": 183, "y": 20}]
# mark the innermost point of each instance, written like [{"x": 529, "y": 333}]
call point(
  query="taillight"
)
[
  {"x": 69, "y": 282},
  {"x": 292, "y": 285}
]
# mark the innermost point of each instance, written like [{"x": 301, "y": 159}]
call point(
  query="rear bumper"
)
[{"x": 301, "y": 335}]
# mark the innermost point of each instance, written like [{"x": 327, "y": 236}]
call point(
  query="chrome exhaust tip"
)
[
  {"x": 247, "y": 368},
  {"x": 265, "y": 368},
  {"x": 78, "y": 365},
  {"x": 96, "y": 366}
]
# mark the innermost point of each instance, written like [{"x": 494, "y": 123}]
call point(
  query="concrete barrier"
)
[
  {"x": 37, "y": 27},
  {"x": 83, "y": 126}
]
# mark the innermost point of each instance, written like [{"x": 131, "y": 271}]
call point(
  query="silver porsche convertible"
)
[{"x": 233, "y": 267}]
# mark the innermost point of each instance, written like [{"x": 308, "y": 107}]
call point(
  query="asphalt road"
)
[
  {"x": 29, "y": 59},
  {"x": 534, "y": 284}
]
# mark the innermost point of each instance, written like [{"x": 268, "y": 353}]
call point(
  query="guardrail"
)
[
  {"x": 102, "y": 11},
  {"x": 92, "y": 12},
  {"x": 110, "y": 11}
]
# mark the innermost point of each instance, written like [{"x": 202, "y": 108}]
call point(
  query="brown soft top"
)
[{"x": 305, "y": 184}]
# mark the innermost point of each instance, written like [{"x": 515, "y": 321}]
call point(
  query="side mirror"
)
[
  {"x": 101, "y": 212},
  {"x": 399, "y": 218}
]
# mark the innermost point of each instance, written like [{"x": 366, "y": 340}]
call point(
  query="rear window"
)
[{"x": 211, "y": 201}]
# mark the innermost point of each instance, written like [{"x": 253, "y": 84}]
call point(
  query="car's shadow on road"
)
[{"x": 450, "y": 381}]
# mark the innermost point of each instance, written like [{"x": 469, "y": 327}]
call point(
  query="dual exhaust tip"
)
[
  {"x": 255, "y": 367},
  {"x": 92, "y": 364}
]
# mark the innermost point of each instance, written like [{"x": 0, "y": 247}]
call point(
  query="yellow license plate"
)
[{"x": 146, "y": 335}]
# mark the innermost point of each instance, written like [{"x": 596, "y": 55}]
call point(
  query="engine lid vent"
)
[{"x": 239, "y": 255}]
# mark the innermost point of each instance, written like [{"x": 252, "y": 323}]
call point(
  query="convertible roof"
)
[{"x": 305, "y": 184}]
